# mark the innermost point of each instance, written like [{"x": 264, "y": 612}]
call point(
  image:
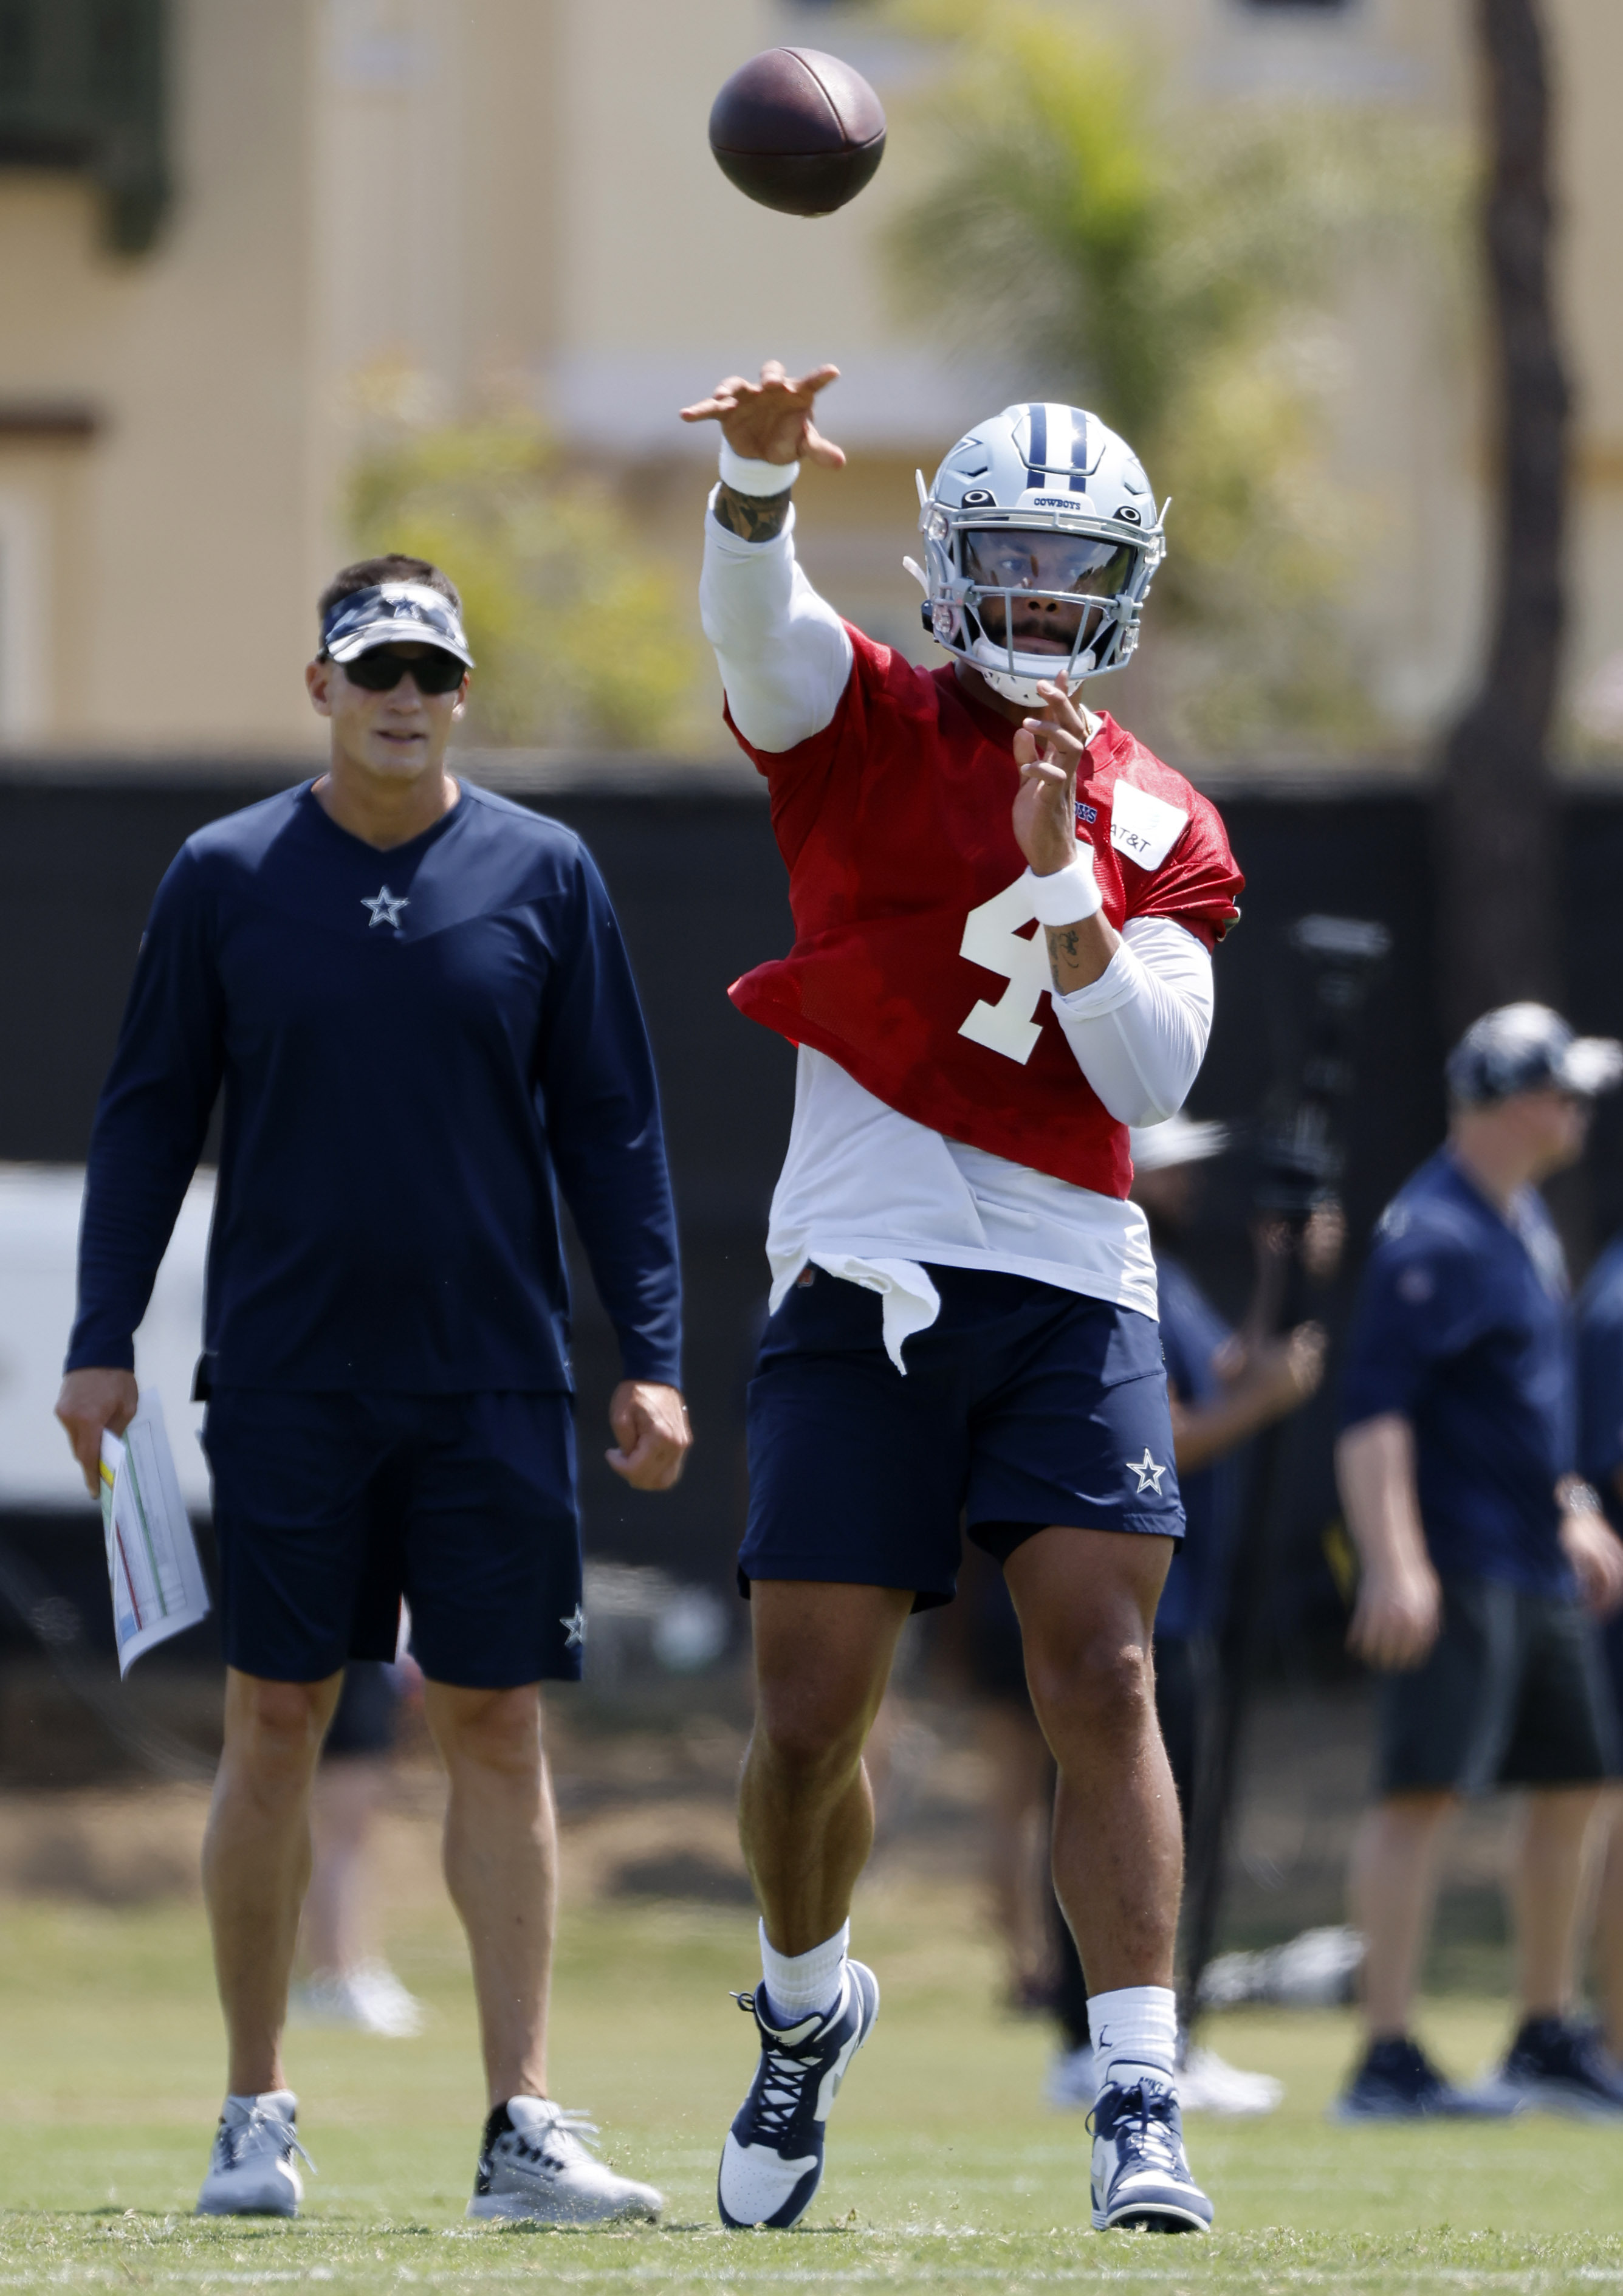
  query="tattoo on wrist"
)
[
  {"x": 756, "y": 517},
  {"x": 1064, "y": 941}
]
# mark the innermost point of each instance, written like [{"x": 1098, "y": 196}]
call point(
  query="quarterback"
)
[{"x": 1004, "y": 911}]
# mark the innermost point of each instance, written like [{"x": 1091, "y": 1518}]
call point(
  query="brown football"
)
[{"x": 798, "y": 131}]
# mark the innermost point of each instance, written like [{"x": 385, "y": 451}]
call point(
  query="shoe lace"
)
[
  {"x": 254, "y": 2125},
  {"x": 551, "y": 2145},
  {"x": 783, "y": 2082},
  {"x": 1143, "y": 2129}
]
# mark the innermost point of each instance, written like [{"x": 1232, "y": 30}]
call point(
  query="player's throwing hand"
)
[
  {"x": 770, "y": 420},
  {"x": 1049, "y": 750}
]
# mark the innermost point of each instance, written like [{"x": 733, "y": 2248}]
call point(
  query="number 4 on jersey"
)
[{"x": 992, "y": 938}]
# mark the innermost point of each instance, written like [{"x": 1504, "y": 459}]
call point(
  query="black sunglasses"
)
[{"x": 435, "y": 671}]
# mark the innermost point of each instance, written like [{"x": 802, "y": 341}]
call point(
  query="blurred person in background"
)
[
  {"x": 347, "y": 1980},
  {"x": 1485, "y": 1562},
  {"x": 1224, "y": 1386},
  {"x": 415, "y": 1001},
  {"x": 1600, "y": 1388}
]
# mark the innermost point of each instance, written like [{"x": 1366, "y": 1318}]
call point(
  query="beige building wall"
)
[
  {"x": 158, "y": 559},
  {"x": 492, "y": 197}
]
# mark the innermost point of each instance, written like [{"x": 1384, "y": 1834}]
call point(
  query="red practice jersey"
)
[{"x": 917, "y": 964}]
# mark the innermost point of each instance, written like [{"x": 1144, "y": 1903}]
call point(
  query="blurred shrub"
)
[
  {"x": 575, "y": 628},
  {"x": 1170, "y": 266}
]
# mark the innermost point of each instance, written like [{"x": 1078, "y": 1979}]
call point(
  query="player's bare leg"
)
[
  {"x": 822, "y": 1658},
  {"x": 501, "y": 1866},
  {"x": 1086, "y": 1604},
  {"x": 1085, "y": 1600},
  {"x": 257, "y": 1861}
]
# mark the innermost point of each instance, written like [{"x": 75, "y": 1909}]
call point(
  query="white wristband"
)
[
  {"x": 1067, "y": 895},
  {"x": 748, "y": 478}
]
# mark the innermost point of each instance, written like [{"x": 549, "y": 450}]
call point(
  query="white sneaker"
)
[
  {"x": 369, "y": 1999},
  {"x": 534, "y": 2166},
  {"x": 1206, "y": 2084},
  {"x": 1070, "y": 2086},
  {"x": 250, "y": 2170}
]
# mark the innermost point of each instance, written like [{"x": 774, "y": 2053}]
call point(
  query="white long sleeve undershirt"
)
[{"x": 866, "y": 1193}]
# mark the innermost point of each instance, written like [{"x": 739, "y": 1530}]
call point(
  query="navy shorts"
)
[
  {"x": 1512, "y": 1693},
  {"x": 1023, "y": 1405},
  {"x": 329, "y": 1508}
]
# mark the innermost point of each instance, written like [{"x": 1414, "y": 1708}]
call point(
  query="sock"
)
[
  {"x": 1135, "y": 2034},
  {"x": 279, "y": 2100},
  {"x": 800, "y": 1985}
]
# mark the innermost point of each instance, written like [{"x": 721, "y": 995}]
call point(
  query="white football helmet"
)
[{"x": 1040, "y": 527}]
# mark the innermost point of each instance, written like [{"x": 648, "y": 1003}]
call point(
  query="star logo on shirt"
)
[
  {"x": 1148, "y": 1473},
  {"x": 577, "y": 1628},
  {"x": 386, "y": 906}
]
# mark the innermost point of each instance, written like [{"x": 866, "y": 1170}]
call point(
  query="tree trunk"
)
[{"x": 1498, "y": 821}]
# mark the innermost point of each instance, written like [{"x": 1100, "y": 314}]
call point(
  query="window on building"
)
[{"x": 81, "y": 86}]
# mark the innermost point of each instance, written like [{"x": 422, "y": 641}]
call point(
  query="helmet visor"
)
[{"x": 1027, "y": 577}]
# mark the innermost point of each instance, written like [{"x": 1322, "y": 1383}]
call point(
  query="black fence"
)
[{"x": 690, "y": 862}]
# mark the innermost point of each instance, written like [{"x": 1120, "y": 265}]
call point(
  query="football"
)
[{"x": 798, "y": 131}]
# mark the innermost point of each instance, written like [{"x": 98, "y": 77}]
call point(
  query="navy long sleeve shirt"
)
[{"x": 417, "y": 1047}]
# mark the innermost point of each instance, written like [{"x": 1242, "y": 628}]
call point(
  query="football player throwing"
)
[{"x": 963, "y": 1323}]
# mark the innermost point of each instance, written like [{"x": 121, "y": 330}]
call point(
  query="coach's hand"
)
[
  {"x": 653, "y": 1437},
  {"x": 1397, "y": 1617},
  {"x": 89, "y": 1402},
  {"x": 1593, "y": 1549},
  {"x": 771, "y": 420}
]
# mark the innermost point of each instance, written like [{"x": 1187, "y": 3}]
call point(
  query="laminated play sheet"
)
[{"x": 158, "y": 1584}]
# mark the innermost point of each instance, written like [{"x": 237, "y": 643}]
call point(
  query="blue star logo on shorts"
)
[
  {"x": 1148, "y": 1473},
  {"x": 577, "y": 1625},
  {"x": 386, "y": 906}
]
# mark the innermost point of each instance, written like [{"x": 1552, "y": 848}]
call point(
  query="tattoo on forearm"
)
[
  {"x": 757, "y": 518},
  {"x": 1064, "y": 942}
]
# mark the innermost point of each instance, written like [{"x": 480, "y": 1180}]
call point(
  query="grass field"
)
[{"x": 946, "y": 2171}]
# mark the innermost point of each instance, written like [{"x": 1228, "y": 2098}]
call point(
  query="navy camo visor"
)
[
  {"x": 394, "y": 614},
  {"x": 1528, "y": 1048}
]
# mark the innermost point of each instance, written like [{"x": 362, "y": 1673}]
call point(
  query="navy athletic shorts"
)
[
  {"x": 1514, "y": 1692},
  {"x": 328, "y": 1508},
  {"x": 1023, "y": 1405}
]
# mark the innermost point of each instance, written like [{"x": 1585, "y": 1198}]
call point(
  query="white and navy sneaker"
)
[
  {"x": 250, "y": 2170},
  {"x": 1141, "y": 2178},
  {"x": 771, "y": 2162},
  {"x": 535, "y": 2167}
]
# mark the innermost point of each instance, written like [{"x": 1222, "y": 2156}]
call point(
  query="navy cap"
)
[
  {"x": 390, "y": 614},
  {"x": 1528, "y": 1048}
]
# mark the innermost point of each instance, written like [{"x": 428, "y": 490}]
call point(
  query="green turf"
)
[{"x": 945, "y": 2170}]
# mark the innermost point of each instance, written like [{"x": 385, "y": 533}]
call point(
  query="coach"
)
[
  {"x": 416, "y": 999},
  {"x": 1483, "y": 1557}
]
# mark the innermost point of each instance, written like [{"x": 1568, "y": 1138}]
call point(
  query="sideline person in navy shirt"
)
[
  {"x": 1484, "y": 1559},
  {"x": 1599, "y": 1396},
  {"x": 416, "y": 1000}
]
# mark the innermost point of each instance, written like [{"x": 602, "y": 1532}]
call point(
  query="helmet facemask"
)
[{"x": 1022, "y": 545}]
